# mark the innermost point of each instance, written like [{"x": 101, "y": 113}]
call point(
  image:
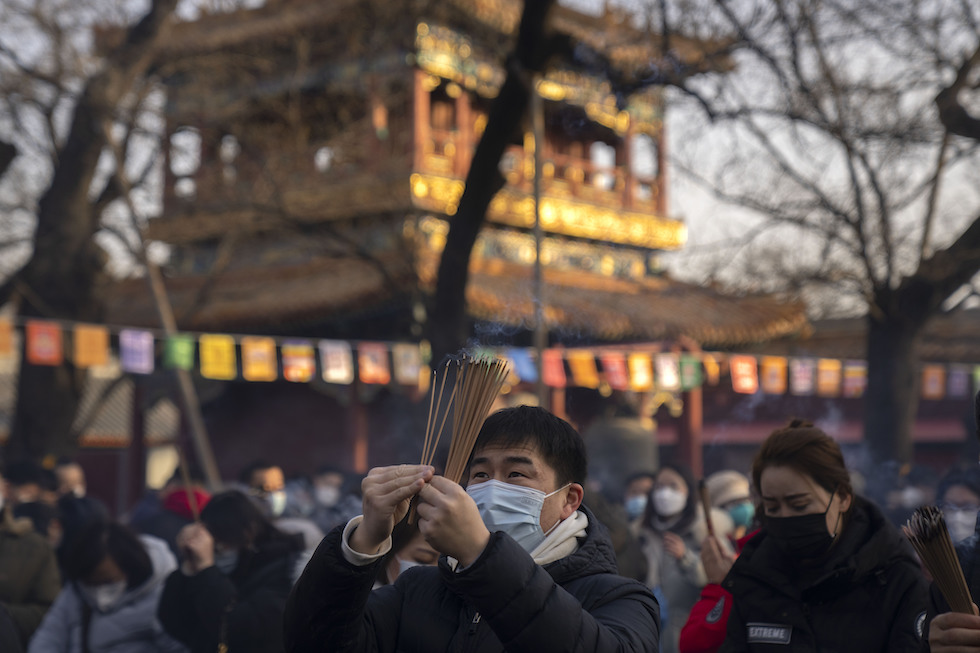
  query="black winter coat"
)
[
  {"x": 503, "y": 601},
  {"x": 868, "y": 597},
  {"x": 243, "y": 610}
]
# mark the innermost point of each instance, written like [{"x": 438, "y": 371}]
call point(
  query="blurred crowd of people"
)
[{"x": 797, "y": 551}]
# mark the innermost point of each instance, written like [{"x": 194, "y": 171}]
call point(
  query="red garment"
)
[
  {"x": 177, "y": 502},
  {"x": 707, "y": 623}
]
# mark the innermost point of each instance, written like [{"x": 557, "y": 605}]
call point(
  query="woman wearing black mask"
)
[{"x": 827, "y": 572}]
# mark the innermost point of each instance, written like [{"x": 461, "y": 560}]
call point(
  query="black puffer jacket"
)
[
  {"x": 869, "y": 597},
  {"x": 503, "y": 601},
  {"x": 243, "y": 610}
]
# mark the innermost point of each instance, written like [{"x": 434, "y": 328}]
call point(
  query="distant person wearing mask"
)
[
  {"x": 267, "y": 483},
  {"x": 638, "y": 488},
  {"x": 525, "y": 566},
  {"x": 826, "y": 572},
  {"x": 729, "y": 491},
  {"x": 70, "y": 477},
  {"x": 109, "y": 602},
  {"x": 670, "y": 532},
  {"x": 333, "y": 504},
  {"x": 958, "y": 495},
  {"x": 408, "y": 549},
  {"x": 236, "y": 573}
]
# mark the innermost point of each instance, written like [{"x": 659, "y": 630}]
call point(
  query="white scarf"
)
[{"x": 563, "y": 541}]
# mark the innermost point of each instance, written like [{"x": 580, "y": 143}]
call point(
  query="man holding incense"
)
[{"x": 525, "y": 566}]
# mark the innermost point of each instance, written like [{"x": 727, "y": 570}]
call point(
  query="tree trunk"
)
[
  {"x": 892, "y": 395},
  {"x": 447, "y": 326},
  {"x": 60, "y": 279}
]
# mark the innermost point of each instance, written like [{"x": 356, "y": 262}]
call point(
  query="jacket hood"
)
[{"x": 164, "y": 563}]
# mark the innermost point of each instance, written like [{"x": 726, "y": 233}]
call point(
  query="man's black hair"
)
[
  {"x": 234, "y": 520},
  {"x": 80, "y": 555},
  {"x": 78, "y": 513},
  {"x": 557, "y": 441},
  {"x": 23, "y": 472},
  {"x": 48, "y": 480},
  {"x": 245, "y": 477},
  {"x": 635, "y": 476}
]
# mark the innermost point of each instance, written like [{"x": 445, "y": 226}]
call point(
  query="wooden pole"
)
[
  {"x": 188, "y": 395},
  {"x": 540, "y": 329}
]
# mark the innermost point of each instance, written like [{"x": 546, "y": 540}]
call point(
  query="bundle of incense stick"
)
[
  {"x": 926, "y": 529},
  {"x": 706, "y": 506},
  {"x": 477, "y": 383}
]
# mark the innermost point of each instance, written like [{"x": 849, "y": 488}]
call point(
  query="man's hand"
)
[
  {"x": 674, "y": 545},
  {"x": 716, "y": 560},
  {"x": 386, "y": 493},
  {"x": 953, "y": 632},
  {"x": 450, "y": 521},
  {"x": 197, "y": 548}
]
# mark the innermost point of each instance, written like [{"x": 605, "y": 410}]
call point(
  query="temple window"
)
[
  {"x": 602, "y": 158},
  {"x": 644, "y": 166}
]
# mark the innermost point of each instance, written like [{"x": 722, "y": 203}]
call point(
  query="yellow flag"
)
[
  {"x": 90, "y": 345},
  {"x": 259, "y": 359},
  {"x": 773, "y": 376},
  {"x": 218, "y": 357},
  {"x": 641, "y": 372},
  {"x": 584, "y": 372},
  {"x": 830, "y": 377}
]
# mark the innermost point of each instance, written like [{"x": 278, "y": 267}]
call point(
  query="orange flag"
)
[
  {"x": 259, "y": 362},
  {"x": 90, "y": 345}
]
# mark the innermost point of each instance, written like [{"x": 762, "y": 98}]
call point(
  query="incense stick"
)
[
  {"x": 477, "y": 383},
  {"x": 191, "y": 497},
  {"x": 706, "y": 506},
  {"x": 926, "y": 530}
]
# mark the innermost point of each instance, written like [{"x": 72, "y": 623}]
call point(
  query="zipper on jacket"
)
[{"x": 471, "y": 642}]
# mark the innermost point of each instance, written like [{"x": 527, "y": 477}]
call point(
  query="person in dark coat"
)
[
  {"x": 9, "y": 637},
  {"x": 525, "y": 566},
  {"x": 162, "y": 514},
  {"x": 29, "y": 578},
  {"x": 236, "y": 573},
  {"x": 827, "y": 572}
]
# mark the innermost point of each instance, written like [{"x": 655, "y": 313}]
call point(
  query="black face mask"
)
[{"x": 803, "y": 537}]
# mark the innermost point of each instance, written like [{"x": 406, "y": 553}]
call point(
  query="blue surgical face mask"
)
[
  {"x": 742, "y": 513},
  {"x": 513, "y": 509},
  {"x": 635, "y": 506}
]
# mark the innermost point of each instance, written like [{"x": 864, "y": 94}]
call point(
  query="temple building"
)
[{"x": 316, "y": 154}]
